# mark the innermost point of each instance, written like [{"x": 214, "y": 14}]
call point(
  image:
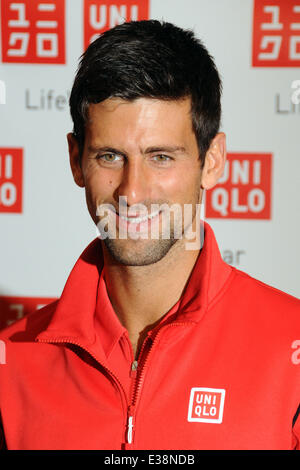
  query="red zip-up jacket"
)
[{"x": 220, "y": 371}]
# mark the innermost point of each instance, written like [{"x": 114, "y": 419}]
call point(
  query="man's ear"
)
[
  {"x": 214, "y": 163},
  {"x": 75, "y": 160}
]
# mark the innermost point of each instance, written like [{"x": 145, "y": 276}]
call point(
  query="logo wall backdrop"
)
[{"x": 254, "y": 209}]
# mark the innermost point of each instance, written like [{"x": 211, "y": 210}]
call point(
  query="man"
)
[{"x": 155, "y": 343}]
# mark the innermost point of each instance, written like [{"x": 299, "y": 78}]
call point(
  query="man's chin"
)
[{"x": 139, "y": 252}]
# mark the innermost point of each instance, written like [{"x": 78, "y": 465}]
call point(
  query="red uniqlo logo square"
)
[
  {"x": 276, "y": 33},
  {"x": 11, "y": 176},
  {"x": 33, "y": 31},
  {"x": 244, "y": 190},
  {"x": 100, "y": 15},
  {"x": 206, "y": 405},
  {"x": 15, "y": 308}
]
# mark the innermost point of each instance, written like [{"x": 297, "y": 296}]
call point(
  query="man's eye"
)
[
  {"x": 162, "y": 158},
  {"x": 109, "y": 158}
]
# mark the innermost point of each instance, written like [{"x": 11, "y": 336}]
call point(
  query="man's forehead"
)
[{"x": 142, "y": 123}]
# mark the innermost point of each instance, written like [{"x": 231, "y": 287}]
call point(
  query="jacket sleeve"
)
[{"x": 296, "y": 430}]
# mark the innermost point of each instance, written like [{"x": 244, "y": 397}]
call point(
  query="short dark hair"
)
[{"x": 154, "y": 59}]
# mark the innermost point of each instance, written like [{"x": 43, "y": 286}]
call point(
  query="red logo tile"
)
[
  {"x": 33, "y": 31},
  {"x": 11, "y": 177},
  {"x": 14, "y": 308},
  {"x": 276, "y": 33},
  {"x": 100, "y": 15},
  {"x": 244, "y": 191}
]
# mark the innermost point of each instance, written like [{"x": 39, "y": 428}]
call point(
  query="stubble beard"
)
[
  {"x": 144, "y": 252},
  {"x": 140, "y": 252}
]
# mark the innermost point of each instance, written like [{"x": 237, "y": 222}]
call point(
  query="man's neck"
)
[{"x": 142, "y": 295}]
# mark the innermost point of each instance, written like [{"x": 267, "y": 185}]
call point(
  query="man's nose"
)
[{"x": 135, "y": 183}]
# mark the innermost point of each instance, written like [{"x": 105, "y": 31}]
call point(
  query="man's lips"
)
[
  {"x": 138, "y": 218},
  {"x": 140, "y": 223}
]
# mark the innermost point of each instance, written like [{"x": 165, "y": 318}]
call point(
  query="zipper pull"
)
[
  {"x": 129, "y": 429},
  {"x": 133, "y": 370}
]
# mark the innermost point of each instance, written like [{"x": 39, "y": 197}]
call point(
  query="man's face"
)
[{"x": 146, "y": 152}]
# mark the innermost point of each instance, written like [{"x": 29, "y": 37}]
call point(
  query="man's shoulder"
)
[
  {"x": 262, "y": 294},
  {"x": 28, "y": 327}
]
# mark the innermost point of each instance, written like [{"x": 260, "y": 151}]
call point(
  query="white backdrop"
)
[{"x": 41, "y": 242}]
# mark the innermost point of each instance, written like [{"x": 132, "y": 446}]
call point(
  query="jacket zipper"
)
[{"x": 138, "y": 378}]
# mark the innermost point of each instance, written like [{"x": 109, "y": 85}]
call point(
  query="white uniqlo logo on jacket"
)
[{"x": 206, "y": 405}]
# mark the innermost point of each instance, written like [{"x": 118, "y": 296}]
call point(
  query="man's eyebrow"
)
[
  {"x": 166, "y": 148},
  {"x": 154, "y": 149},
  {"x": 95, "y": 149}
]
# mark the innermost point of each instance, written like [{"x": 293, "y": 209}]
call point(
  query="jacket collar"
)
[{"x": 74, "y": 317}]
